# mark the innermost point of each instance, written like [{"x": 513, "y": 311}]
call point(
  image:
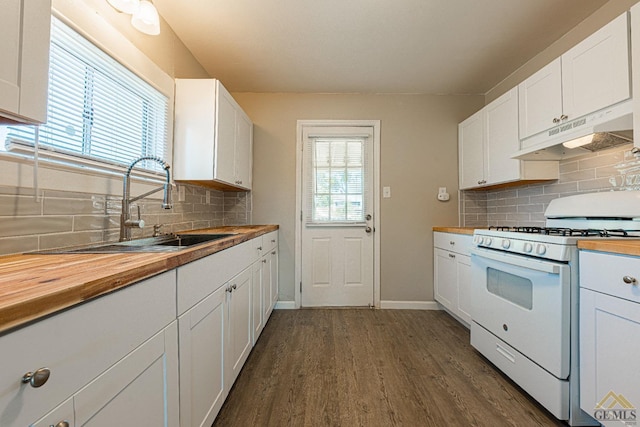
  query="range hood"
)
[{"x": 610, "y": 127}]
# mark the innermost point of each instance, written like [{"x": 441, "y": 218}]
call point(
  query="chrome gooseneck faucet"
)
[{"x": 126, "y": 223}]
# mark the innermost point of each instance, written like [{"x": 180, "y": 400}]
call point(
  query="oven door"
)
[{"x": 525, "y": 302}]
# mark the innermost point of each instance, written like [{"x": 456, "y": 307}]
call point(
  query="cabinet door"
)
[
  {"x": 10, "y": 31},
  {"x": 244, "y": 148},
  {"x": 140, "y": 390},
  {"x": 24, "y": 69},
  {"x": 540, "y": 100},
  {"x": 240, "y": 326},
  {"x": 58, "y": 417},
  {"x": 471, "y": 151},
  {"x": 595, "y": 73},
  {"x": 273, "y": 273},
  {"x": 463, "y": 267},
  {"x": 202, "y": 345},
  {"x": 267, "y": 307},
  {"x": 445, "y": 278},
  {"x": 225, "y": 136},
  {"x": 609, "y": 345},
  {"x": 256, "y": 300},
  {"x": 501, "y": 139}
]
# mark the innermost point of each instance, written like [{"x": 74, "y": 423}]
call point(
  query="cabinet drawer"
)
[
  {"x": 607, "y": 273},
  {"x": 79, "y": 344},
  {"x": 200, "y": 278},
  {"x": 270, "y": 241},
  {"x": 460, "y": 243}
]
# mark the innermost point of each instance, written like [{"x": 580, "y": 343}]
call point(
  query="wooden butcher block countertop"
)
[
  {"x": 616, "y": 246},
  {"x": 35, "y": 285},
  {"x": 456, "y": 230}
]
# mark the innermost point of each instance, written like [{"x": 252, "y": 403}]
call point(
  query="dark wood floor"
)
[{"x": 366, "y": 367}]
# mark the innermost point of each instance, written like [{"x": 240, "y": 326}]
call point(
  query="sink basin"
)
[{"x": 168, "y": 243}]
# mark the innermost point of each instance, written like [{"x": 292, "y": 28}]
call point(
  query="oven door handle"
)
[{"x": 532, "y": 264}]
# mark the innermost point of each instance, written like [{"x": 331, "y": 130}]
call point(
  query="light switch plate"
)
[{"x": 386, "y": 192}]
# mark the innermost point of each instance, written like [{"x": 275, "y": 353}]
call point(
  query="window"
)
[
  {"x": 336, "y": 176},
  {"x": 97, "y": 108}
]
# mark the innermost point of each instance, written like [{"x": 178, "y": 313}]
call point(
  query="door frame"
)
[{"x": 375, "y": 124}]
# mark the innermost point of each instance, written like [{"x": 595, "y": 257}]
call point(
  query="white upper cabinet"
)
[
  {"x": 501, "y": 136},
  {"x": 486, "y": 142},
  {"x": 471, "y": 150},
  {"x": 24, "y": 31},
  {"x": 635, "y": 57},
  {"x": 591, "y": 76},
  {"x": 540, "y": 99},
  {"x": 213, "y": 136}
]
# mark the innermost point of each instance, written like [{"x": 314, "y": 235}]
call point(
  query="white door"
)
[{"x": 337, "y": 216}]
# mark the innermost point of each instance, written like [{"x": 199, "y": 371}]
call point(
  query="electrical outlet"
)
[
  {"x": 181, "y": 193},
  {"x": 207, "y": 197}
]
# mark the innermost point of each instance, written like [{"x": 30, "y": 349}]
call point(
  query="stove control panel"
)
[{"x": 517, "y": 244}]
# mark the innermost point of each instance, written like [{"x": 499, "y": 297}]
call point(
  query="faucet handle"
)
[{"x": 156, "y": 229}]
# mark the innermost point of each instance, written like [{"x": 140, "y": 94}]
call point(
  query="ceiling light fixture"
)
[{"x": 144, "y": 15}]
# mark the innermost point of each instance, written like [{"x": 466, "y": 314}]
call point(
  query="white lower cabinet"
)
[
  {"x": 240, "y": 340},
  {"x": 452, "y": 273},
  {"x": 202, "y": 347},
  {"x": 96, "y": 353},
  {"x": 163, "y": 352},
  {"x": 609, "y": 337},
  {"x": 220, "y": 306}
]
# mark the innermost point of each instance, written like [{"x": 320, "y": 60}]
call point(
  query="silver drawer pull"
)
[
  {"x": 630, "y": 280},
  {"x": 38, "y": 378}
]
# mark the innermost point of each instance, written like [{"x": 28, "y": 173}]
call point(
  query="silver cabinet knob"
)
[
  {"x": 62, "y": 424},
  {"x": 264, "y": 261},
  {"x": 556, "y": 120},
  {"x": 38, "y": 378},
  {"x": 630, "y": 280},
  {"x": 259, "y": 248},
  {"x": 273, "y": 253},
  {"x": 452, "y": 256},
  {"x": 564, "y": 117},
  {"x": 451, "y": 242},
  {"x": 229, "y": 289}
]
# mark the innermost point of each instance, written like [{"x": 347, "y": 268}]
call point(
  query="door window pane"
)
[{"x": 337, "y": 179}]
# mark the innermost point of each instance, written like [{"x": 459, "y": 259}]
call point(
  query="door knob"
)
[
  {"x": 368, "y": 217},
  {"x": 368, "y": 229}
]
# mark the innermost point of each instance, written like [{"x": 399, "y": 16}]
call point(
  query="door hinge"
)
[{"x": 301, "y": 216}]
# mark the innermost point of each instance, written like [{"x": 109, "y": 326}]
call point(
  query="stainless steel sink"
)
[{"x": 167, "y": 243}]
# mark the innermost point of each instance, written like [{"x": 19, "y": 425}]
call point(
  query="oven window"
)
[{"x": 515, "y": 289}]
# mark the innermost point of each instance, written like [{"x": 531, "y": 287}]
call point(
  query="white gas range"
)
[{"x": 525, "y": 294}]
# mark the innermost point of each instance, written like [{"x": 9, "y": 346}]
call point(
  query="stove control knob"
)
[
  {"x": 488, "y": 241},
  {"x": 479, "y": 240},
  {"x": 528, "y": 247},
  {"x": 541, "y": 249},
  {"x": 506, "y": 243}
]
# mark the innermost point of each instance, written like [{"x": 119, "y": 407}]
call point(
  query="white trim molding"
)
[
  {"x": 376, "y": 200},
  {"x": 410, "y": 305},
  {"x": 285, "y": 305}
]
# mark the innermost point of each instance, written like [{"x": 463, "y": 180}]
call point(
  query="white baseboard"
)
[
  {"x": 396, "y": 305},
  {"x": 285, "y": 305},
  {"x": 410, "y": 305}
]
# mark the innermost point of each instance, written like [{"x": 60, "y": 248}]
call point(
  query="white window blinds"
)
[
  {"x": 97, "y": 108},
  {"x": 336, "y": 179}
]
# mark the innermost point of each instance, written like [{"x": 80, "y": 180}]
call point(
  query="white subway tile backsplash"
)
[
  {"x": 608, "y": 170},
  {"x": 60, "y": 219}
]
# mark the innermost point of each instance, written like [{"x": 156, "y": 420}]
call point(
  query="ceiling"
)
[{"x": 369, "y": 46}]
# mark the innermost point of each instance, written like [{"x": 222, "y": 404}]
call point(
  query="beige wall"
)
[
  {"x": 595, "y": 21},
  {"x": 165, "y": 50},
  {"x": 418, "y": 155}
]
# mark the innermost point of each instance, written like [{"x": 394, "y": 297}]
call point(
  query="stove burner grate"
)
[{"x": 559, "y": 231}]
